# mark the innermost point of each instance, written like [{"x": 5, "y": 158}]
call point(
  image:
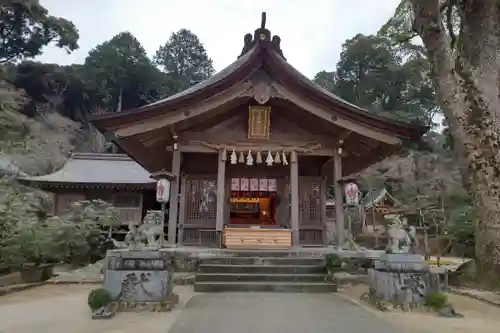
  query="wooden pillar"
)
[
  {"x": 174, "y": 197},
  {"x": 182, "y": 211},
  {"x": 294, "y": 184},
  {"x": 339, "y": 200},
  {"x": 322, "y": 200},
  {"x": 221, "y": 187}
]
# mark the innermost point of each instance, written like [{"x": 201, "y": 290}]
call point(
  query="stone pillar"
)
[
  {"x": 294, "y": 195},
  {"x": 339, "y": 200},
  {"x": 221, "y": 187},
  {"x": 174, "y": 197}
]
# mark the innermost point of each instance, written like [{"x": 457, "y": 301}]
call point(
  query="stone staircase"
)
[{"x": 278, "y": 271}]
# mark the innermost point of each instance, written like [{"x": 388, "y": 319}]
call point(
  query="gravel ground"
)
[
  {"x": 478, "y": 316},
  {"x": 63, "y": 309}
]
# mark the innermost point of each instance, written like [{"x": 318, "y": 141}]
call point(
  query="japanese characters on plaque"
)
[
  {"x": 244, "y": 184},
  {"x": 235, "y": 184},
  {"x": 253, "y": 184},
  {"x": 271, "y": 185}
]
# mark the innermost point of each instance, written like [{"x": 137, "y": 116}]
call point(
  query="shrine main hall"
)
[{"x": 251, "y": 151}]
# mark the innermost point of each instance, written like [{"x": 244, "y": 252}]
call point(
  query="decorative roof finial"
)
[{"x": 262, "y": 36}]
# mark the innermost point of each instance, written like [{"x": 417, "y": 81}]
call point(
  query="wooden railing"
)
[
  {"x": 127, "y": 215},
  {"x": 199, "y": 236},
  {"x": 311, "y": 237}
]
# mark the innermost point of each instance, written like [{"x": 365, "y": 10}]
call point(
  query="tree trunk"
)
[{"x": 466, "y": 77}]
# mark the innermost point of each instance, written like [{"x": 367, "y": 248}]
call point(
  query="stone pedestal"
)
[
  {"x": 403, "y": 279},
  {"x": 140, "y": 277}
]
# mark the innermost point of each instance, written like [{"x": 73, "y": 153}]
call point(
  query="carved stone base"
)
[
  {"x": 160, "y": 306},
  {"x": 404, "y": 280},
  {"x": 139, "y": 276}
]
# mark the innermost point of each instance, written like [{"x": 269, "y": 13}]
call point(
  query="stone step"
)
[
  {"x": 262, "y": 261},
  {"x": 230, "y": 277},
  {"x": 274, "y": 253},
  {"x": 265, "y": 269},
  {"x": 297, "y": 287}
]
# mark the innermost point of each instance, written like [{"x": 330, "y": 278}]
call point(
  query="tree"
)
[
  {"x": 64, "y": 89},
  {"x": 39, "y": 145},
  {"x": 123, "y": 75},
  {"x": 26, "y": 27},
  {"x": 373, "y": 74},
  {"x": 184, "y": 59},
  {"x": 326, "y": 79},
  {"x": 462, "y": 41}
]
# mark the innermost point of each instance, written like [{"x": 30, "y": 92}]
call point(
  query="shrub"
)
[
  {"x": 98, "y": 298},
  {"x": 333, "y": 262},
  {"x": 436, "y": 300}
]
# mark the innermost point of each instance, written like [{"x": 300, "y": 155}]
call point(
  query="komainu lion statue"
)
[
  {"x": 147, "y": 234},
  {"x": 400, "y": 240}
]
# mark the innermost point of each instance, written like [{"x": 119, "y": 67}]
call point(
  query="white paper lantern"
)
[{"x": 351, "y": 191}]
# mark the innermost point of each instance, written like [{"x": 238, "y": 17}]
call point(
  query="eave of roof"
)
[{"x": 95, "y": 170}]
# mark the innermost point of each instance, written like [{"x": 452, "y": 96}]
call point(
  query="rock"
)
[
  {"x": 88, "y": 274},
  {"x": 343, "y": 278},
  {"x": 449, "y": 312}
]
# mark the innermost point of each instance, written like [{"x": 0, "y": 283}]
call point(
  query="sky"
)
[{"x": 312, "y": 32}]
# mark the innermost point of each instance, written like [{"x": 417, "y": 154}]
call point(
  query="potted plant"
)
[
  {"x": 101, "y": 305},
  {"x": 333, "y": 263},
  {"x": 30, "y": 250}
]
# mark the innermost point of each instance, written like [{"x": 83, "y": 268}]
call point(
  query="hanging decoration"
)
[
  {"x": 249, "y": 158},
  {"x": 269, "y": 159},
  {"x": 351, "y": 192},
  {"x": 277, "y": 158},
  {"x": 258, "y": 158},
  {"x": 241, "y": 158},
  {"x": 234, "y": 159},
  {"x": 285, "y": 162}
]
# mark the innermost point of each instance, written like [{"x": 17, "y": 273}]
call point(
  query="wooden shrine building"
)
[
  {"x": 114, "y": 178},
  {"x": 251, "y": 150}
]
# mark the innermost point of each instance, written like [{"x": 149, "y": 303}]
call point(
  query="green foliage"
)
[
  {"x": 64, "y": 89},
  {"x": 463, "y": 228},
  {"x": 28, "y": 237},
  {"x": 19, "y": 206},
  {"x": 79, "y": 234},
  {"x": 31, "y": 244},
  {"x": 333, "y": 263},
  {"x": 326, "y": 80},
  {"x": 39, "y": 145},
  {"x": 119, "y": 71},
  {"x": 27, "y": 27},
  {"x": 98, "y": 298},
  {"x": 184, "y": 59},
  {"x": 373, "y": 74},
  {"x": 436, "y": 300}
]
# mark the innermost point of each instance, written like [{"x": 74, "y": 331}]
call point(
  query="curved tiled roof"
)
[{"x": 90, "y": 168}]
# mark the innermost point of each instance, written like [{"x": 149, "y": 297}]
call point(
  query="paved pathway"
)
[{"x": 276, "y": 313}]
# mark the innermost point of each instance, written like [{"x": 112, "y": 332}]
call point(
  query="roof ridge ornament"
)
[{"x": 261, "y": 35}]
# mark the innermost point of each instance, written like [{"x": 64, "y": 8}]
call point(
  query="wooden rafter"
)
[
  {"x": 334, "y": 119},
  {"x": 171, "y": 118}
]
